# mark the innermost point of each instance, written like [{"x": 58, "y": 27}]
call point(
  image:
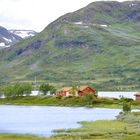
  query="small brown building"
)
[{"x": 137, "y": 96}]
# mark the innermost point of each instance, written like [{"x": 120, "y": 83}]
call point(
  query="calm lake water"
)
[
  {"x": 117, "y": 94},
  {"x": 41, "y": 120}
]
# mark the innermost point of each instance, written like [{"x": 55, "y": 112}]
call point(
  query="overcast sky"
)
[{"x": 36, "y": 14}]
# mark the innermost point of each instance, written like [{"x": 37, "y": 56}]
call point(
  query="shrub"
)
[
  {"x": 47, "y": 88},
  {"x": 89, "y": 98},
  {"x": 126, "y": 107}
]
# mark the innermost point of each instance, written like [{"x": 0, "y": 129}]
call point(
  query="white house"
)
[{"x": 35, "y": 93}]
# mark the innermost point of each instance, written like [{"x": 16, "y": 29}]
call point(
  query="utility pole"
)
[{"x": 35, "y": 84}]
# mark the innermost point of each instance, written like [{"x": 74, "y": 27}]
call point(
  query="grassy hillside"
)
[{"x": 97, "y": 45}]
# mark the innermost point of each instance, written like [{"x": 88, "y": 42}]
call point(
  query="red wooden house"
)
[
  {"x": 82, "y": 90},
  {"x": 137, "y": 96},
  {"x": 64, "y": 91}
]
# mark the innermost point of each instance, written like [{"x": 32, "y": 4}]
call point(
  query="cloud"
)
[{"x": 36, "y": 14}]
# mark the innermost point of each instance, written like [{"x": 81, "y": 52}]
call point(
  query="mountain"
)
[
  {"x": 24, "y": 33},
  {"x": 7, "y": 38},
  {"x": 10, "y": 37},
  {"x": 97, "y": 45}
]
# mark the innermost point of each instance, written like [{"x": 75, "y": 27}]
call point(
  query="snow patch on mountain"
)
[
  {"x": 8, "y": 40},
  {"x": 2, "y": 44},
  {"x": 104, "y": 25},
  {"x": 132, "y": 4},
  {"x": 24, "y": 33},
  {"x": 78, "y": 23},
  {"x": 87, "y": 25},
  {"x": 10, "y": 37}
]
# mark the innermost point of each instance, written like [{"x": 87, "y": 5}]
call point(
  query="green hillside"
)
[{"x": 97, "y": 45}]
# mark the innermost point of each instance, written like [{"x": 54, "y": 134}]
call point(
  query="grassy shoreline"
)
[{"x": 66, "y": 101}]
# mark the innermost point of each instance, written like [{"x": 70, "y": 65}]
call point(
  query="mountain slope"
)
[
  {"x": 97, "y": 44},
  {"x": 7, "y": 38}
]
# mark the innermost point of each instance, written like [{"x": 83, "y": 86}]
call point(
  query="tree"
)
[
  {"x": 19, "y": 89},
  {"x": 47, "y": 88},
  {"x": 26, "y": 89},
  {"x": 74, "y": 91},
  {"x": 7, "y": 91}
]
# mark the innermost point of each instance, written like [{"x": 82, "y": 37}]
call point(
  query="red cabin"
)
[
  {"x": 64, "y": 91},
  {"x": 82, "y": 90},
  {"x": 137, "y": 97}
]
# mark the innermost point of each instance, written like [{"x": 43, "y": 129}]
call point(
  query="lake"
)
[
  {"x": 117, "y": 94},
  {"x": 42, "y": 120}
]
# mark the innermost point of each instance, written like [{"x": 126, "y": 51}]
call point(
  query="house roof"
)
[
  {"x": 81, "y": 88},
  {"x": 137, "y": 94},
  {"x": 65, "y": 89}
]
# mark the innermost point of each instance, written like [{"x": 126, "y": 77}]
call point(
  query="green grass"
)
[
  {"x": 62, "y": 101},
  {"x": 19, "y": 137},
  {"x": 66, "y": 101}
]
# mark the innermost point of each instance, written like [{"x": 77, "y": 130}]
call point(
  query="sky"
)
[{"x": 36, "y": 14}]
